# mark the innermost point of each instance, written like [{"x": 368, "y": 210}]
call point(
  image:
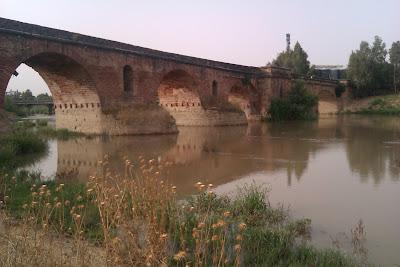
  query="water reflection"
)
[
  {"x": 335, "y": 171},
  {"x": 218, "y": 155}
]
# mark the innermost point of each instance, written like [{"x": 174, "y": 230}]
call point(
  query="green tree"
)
[
  {"x": 298, "y": 104},
  {"x": 368, "y": 70},
  {"x": 394, "y": 55},
  {"x": 296, "y": 60},
  {"x": 27, "y": 96},
  {"x": 43, "y": 97}
]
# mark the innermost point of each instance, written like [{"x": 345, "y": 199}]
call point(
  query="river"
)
[{"x": 335, "y": 171}]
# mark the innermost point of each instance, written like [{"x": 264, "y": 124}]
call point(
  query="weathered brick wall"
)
[{"x": 86, "y": 77}]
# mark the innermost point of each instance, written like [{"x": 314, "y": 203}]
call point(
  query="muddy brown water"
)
[{"x": 334, "y": 171}]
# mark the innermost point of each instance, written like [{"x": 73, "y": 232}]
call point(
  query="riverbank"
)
[
  {"x": 379, "y": 105},
  {"x": 135, "y": 219}
]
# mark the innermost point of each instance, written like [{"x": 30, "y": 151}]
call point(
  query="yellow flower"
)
[
  {"x": 227, "y": 214},
  {"x": 180, "y": 256},
  {"x": 242, "y": 226},
  {"x": 238, "y": 247}
]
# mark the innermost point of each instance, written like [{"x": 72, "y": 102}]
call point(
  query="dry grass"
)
[{"x": 134, "y": 219}]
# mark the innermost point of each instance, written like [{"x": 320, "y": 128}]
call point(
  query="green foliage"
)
[
  {"x": 17, "y": 147},
  {"x": 22, "y": 111},
  {"x": 62, "y": 134},
  {"x": 297, "y": 105},
  {"x": 394, "y": 54},
  {"x": 296, "y": 60},
  {"x": 340, "y": 89},
  {"x": 369, "y": 72},
  {"x": 19, "y": 186}
]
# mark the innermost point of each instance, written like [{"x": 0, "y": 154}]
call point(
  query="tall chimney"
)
[{"x": 287, "y": 42}]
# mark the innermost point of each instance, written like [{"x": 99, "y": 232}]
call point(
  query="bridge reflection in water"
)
[
  {"x": 223, "y": 154},
  {"x": 334, "y": 171}
]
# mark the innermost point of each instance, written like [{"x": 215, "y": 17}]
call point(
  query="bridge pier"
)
[{"x": 101, "y": 86}]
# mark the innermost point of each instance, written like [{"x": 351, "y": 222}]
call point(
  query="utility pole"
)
[{"x": 287, "y": 42}]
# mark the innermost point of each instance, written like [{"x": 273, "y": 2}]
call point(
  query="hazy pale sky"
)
[{"x": 244, "y": 32}]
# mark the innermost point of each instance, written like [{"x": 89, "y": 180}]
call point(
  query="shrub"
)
[
  {"x": 297, "y": 105},
  {"x": 15, "y": 147},
  {"x": 339, "y": 90}
]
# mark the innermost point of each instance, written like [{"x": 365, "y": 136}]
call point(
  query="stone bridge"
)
[{"x": 101, "y": 86}]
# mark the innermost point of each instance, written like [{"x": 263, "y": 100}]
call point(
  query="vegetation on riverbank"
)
[
  {"x": 17, "y": 147},
  {"x": 379, "y": 105},
  {"x": 135, "y": 219},
  {"x": 297, "y": 105},
  {"x": 27, "y": 140}
]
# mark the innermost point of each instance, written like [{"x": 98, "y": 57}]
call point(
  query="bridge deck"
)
[{"x": 36, "y": 31}]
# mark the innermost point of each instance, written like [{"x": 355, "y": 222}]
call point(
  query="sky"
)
[{"x": 248, "y": 32}]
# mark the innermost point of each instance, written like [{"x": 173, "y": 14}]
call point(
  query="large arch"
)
[
  {"x": 327, "y": 102},
  {"x": 244, "y": 98},
  {"x": 76, "y": 101},
  {"x": 177, "y": 93}
]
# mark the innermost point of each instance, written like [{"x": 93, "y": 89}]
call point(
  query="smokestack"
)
[{"x": 287, "y": 42}]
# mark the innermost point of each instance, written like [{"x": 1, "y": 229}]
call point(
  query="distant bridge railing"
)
[{"x": 34, "y": 103}]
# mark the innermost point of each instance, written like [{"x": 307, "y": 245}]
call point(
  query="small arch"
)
[
  {"x": 214, "y": 88},
  {"x": 128, "y": 79}
]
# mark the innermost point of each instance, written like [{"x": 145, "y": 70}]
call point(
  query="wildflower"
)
[
  {"x": 163, "y": 236},
  {"x": 239, "y": 238},
  {"x": 67, "y": 203},
  {"x": 238, "y": 247},
  {"x": 180, "y": 256},
  {"x": 242, "y": 226},
  {"x": 214, "y": 238},
  {"x": 58, "y": 204},
  {"x": 227, "y": 214},
  {"x": 221, "y": 223},
  {"x": 201, "y": 225}
]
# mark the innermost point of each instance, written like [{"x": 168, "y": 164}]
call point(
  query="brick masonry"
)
[{"x": 87, "y": 78}]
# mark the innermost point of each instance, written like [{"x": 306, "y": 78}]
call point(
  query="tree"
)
[
  {"x": 43, "y": 97},
  {"x": 296, "y": 60},
  {"x": 394, "y": 55},
  {"x": 368, "y": 70},
  {"x": 297, "y": 105},
  {"x": 27, "y": 96}
]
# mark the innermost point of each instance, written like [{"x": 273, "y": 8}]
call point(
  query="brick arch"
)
[
  {"x": 245, "y": 97},
  {"x": 327, "y": 102},
  {"x": 178, "y": 94},
  {"x": 76, "y": 101}
]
